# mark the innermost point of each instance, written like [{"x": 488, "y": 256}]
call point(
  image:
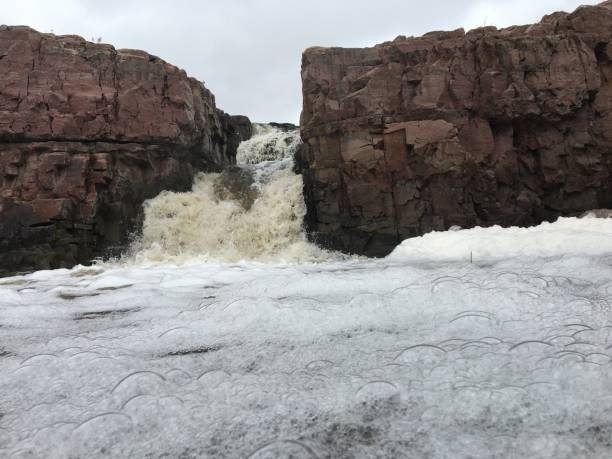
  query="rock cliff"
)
[
  {"x": 509, "y": 127},
  {"x": 87, "y": 133}
]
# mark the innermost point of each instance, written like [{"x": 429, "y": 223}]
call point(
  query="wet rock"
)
[
  {"x": 597, "y": 213},
  {"x": 87, "y": 133},
  {"x": 237, "y": 184},
  {"x": 487, "y": 127},
  {"x": 285, "y": 127}
]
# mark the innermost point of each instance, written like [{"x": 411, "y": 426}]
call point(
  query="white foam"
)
[
  {"x": 212, "y": 221},
  {"x": 197, "y": 224},
  {"x": 371, "y": 358},
  {"x": 268, "y": 143},
  {"x": 567, "y": 237}
]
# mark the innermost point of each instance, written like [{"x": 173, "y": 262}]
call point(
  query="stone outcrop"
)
[
  {"x": 87, "y": 133},
  {"x": 509, "y": 127}
]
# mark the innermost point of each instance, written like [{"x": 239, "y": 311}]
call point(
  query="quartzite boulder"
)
[
  {"x": 87, "y": 133},
  {"x": 509, "y": 127}
]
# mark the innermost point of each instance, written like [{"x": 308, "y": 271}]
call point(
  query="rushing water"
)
[
  {"x": 253, "y": 211},
  {"x": 481, "y": 343}
]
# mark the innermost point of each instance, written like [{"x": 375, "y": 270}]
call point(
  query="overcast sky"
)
[{"x": 249, "y": 52}]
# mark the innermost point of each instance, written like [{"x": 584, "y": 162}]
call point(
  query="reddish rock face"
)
[
  {"x": 507, "y": 127},
  {"x": 87, "y": 133}
]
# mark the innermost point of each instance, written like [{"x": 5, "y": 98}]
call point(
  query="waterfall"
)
[{"x": 252, "y": 211}]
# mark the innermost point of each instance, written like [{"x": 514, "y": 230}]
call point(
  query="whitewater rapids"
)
[
  {"x": 479, "y": 343},
  {"x": 253, "y": 211}
]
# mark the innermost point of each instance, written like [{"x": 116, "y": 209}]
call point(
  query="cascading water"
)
[{"x": 253, "y": 211}]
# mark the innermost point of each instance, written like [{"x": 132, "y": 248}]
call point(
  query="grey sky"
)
[{"x": 249, "y": 52}]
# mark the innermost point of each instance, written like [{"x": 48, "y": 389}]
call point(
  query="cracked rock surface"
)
[
  {"x": 509, "y": 127},
  {"x": 87, "y": 133}
]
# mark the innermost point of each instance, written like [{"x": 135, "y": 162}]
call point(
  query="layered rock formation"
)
[
  {"x": 507, "y": 127},
  {"x": 87, "y": 133}
]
